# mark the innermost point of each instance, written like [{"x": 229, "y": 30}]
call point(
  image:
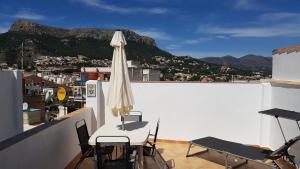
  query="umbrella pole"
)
[{"x": 123, "y": 127}]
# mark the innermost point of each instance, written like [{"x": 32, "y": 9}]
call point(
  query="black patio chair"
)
[
  {"x": 87, "y": 150},
  {"x": 149, "y": 148},
  {"x": 126, "y": 158}
]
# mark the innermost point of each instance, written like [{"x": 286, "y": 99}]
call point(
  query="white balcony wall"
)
[
  {"x": 52, "y": 147},
  {"x": 11, "y": 120},
  {"x": 286, "y": 66},
  {"x": 193, "y": 110}
]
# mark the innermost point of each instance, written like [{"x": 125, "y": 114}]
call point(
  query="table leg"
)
[{"x": 140, "y": 157}]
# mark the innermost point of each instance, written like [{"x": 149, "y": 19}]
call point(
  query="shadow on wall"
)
[
  {"x": 93, "y": 121},
  {"x": 102, "y": 105},
  {"x": 295, "y": 151}
]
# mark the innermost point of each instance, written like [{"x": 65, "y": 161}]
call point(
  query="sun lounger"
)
[
  {"x": 242, "y": 151},
  {"x": 250, "y": 152}
]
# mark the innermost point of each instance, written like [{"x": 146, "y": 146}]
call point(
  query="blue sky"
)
[{"x": 197, "y": 28}]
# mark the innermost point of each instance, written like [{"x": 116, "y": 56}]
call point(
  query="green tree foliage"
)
[{"x": 44, "y": 44}]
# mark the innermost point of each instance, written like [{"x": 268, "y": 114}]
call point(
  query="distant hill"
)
[
  {"x": 46, "y": 40},
  {"x": 94, "y": 43},
  {"x": 249, "y": 62}
]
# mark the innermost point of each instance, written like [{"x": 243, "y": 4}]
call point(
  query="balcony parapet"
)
[{"x": 52, "y": 145}]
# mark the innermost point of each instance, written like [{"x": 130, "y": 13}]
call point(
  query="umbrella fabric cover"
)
[{"x": 120, "y": 98}]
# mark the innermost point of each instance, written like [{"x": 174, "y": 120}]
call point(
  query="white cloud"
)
[
  {"x": 222, "y": 37},
  {"x": 196, "y": 41},
  {"x": 280, "y": 17},
  {"x": 27, "y": 14},
  {"x": 191, "y": 41},
  {"x": 246, "y": 5},
  {"x": 154, "y": 34},
  {"x": 100, "y": 4},
  {"x": 114, "y": 8},
  {"x": 257, "y": 32},
  {"x": 24, "y": 14},
  {"x": 3, "y": 29},
  {"x": 154, "y": 1},
  {"x": 277, "y": 24},
  {"x": 155, "y": 10},
  {"x": 4, "y": 26},
  {"x": 173, "y": 46},
  {"x": 90, "y": 2}
]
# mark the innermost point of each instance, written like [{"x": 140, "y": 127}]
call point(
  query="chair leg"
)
[
  {"x": 117, "y": 147},
  {"x": 153, "y": 151},
  {"x": 98, "y": 164},
  {"x": 79, "y": 163},
  {"x": 188, "y": 152},
  {"x": 110, "y": 156}
]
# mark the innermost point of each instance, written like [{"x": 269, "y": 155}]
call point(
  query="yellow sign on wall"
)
[{"x": 61, "y": 93}]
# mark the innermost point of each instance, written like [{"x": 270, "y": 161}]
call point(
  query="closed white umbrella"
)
[{"x": 119, "y": 98}]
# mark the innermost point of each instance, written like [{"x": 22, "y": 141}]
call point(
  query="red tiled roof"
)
[
  {"x": 286, "y": 50},
  {"x": 35, "y": 79}
]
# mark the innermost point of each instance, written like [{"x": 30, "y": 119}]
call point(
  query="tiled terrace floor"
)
[{"x": 174, "y": 155}]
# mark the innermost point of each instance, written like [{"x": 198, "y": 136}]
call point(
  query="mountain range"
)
[
  {"x": 248, "y": 62},
  {"x": 40, "y": 39}
]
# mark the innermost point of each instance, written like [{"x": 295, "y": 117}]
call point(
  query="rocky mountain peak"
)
[{"x": 27, "y": 26}]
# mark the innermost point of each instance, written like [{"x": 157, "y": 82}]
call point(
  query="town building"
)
[
  {"x": 33, "y": 85},
  {"x": 135, "y": 71}
]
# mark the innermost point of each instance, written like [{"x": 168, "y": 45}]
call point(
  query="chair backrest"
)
[
  {"x": 83, "y": 135},
  {"x": 121, "y": 141},
  {"x": 156, "y": 131},
  {"x": 133, "y": 116}
]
